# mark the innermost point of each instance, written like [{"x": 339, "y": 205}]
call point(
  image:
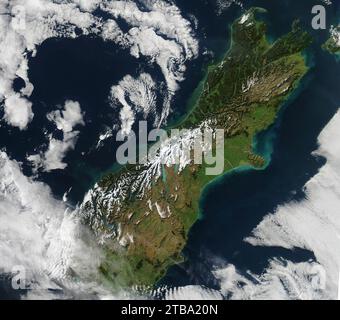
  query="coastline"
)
[
  {"x": 159, "y": 243},
  {"x": 264, "y": 141},
  {"x": 266, "y": 138}
]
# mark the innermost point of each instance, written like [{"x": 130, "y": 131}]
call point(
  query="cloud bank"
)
[
  {"x": 312, "y": 224},
  {"x": 42, "y": 236},
  {"x": 18, "y": 111},
  {"x": 158, "y": 32}
]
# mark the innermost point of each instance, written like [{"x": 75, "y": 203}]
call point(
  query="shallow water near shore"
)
[{"x": 236, "y": 203}]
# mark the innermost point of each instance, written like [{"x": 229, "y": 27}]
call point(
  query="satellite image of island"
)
[{"x": 169, "y": 150}]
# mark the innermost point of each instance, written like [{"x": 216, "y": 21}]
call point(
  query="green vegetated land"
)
[
  {"x": 242, "y": 95},
  {"x": 332, "y": 44}
]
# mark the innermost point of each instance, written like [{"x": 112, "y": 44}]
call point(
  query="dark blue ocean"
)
[
  {"x": 84, "y": 69},
  {"x": 235, "y": 204}
]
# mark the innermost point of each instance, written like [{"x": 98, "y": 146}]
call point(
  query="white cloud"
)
[
  {"x": 127, "y": 118},
  {"x": 167, "y": 54},
  {"x": 112, "y": 32},
  {"x": 53, "y": 158},
  {"x": 34, "y": 22},
  {"x": 45, "y": 237},
  {"x": 163, "y": 17},
  {"x": 335, "y": 34},
  {"x": 68, "y": 118},
  {"x": 282, "y": 280},
  {"x": 159, "y": 32},
  {"x": 135, "y": 96},
  {"x": 192, "y": 293},
  {"x": 223, "y": 5},
  {"x": 87, "y": 5},
  {"x": 18, "y": 111},
  {"x": 65, "y": 120},
  {"x": 312, "y": 224}
]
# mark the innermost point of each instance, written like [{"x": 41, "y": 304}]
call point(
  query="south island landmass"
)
[{"x": 142, "y": 214}]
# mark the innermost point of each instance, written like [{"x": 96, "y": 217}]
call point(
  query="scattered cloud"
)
[
  {"x": 158, "y": 32},
  {"x": 223, "y": 5},
  {"x": 68, "y": 118},
  {"x": 135, "y": 96},
  {"x": 65, "y": 120},
  {"x": 18, "y": 111},
  {"x": 161, "y": 34},
  {"x": 193, "y": 293}
]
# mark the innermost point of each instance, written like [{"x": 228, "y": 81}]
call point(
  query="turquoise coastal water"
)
[
  {"x": 233, "y": 205},
  {"x": 263, "y": 142}
]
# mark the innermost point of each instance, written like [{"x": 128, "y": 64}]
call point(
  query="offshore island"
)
[
  {"x": 142, "y": 214},
  {"x": 332, "y": 45}
]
